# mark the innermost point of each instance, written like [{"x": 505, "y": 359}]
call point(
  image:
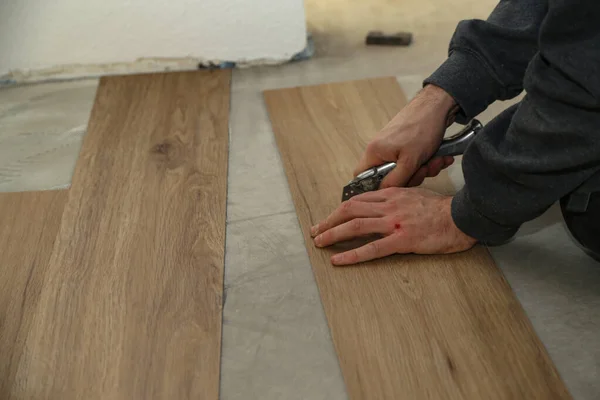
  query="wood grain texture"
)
[
  {"x": 29, "y": 223},
  {"x": 131, "y": 304},
  {"x": 404, "y": 327}
]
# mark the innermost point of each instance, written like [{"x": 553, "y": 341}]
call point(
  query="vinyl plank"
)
[
  {"x": 404, "y": 327},
  {"x": 131, "y": 304},
  {"x": 29, "y": 223}
]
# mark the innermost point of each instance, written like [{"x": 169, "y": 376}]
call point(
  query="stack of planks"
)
[{"x": 113, "y": 290}]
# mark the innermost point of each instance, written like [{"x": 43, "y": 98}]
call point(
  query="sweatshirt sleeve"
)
[
  {"x": 487, "y": 59},
  {"x": 542, "y": 149}
]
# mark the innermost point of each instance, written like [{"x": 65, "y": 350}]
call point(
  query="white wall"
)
[{"x": 41, "y": 34}]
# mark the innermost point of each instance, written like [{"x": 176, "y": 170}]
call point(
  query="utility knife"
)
[{"x": 370, "y": 179}]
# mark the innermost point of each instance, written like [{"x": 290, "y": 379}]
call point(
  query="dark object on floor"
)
[{"x": 397, "y": 39}]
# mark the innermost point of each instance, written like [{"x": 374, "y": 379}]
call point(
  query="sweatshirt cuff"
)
[
  {"x": 478, "y": 226},
  {"x": 467, "y": 79}
]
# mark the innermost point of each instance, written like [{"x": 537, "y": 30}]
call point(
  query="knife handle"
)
[{"x": 457, "y": 144}]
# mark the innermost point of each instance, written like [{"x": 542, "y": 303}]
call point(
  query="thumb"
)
[{"x": 399, "y": 176}]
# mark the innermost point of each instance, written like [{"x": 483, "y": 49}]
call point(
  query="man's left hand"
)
[{"x": 411, "y": 220}]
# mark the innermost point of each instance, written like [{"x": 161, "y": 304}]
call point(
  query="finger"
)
[
  {"x": 418, "y": 177},
  {"x": 376, "y": 196},
  {"x": 380, "y": 248},
  {"x": 434, "y": 167},
  {"x": 400, "y": 175},
  {"x": 435, "y": 164},
  {"x": 352, "y": 229},
  {"x": 347, "y": 211},
  {"x": 448, "y": 161},
  {"x": 434, "y": 171}
]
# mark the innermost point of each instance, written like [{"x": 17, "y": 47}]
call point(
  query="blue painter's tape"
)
[{"x": 307, "y": 52}]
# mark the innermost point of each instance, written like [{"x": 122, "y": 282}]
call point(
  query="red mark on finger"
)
[{"x": 397, "y": 227}]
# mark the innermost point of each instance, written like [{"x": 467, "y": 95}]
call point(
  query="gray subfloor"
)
[{"x": 276, "y": 343}]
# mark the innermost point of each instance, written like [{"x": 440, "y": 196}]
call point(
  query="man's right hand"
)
[{"x": 411, "y": 138}]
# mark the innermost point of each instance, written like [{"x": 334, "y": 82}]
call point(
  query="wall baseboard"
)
[{"x": 143, "y": 65}]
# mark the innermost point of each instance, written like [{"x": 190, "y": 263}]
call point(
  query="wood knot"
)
[
  {"x": 169, "y": 153},
  {"x": 162, "y": 148},
  {"x": 450, "y": 363}
]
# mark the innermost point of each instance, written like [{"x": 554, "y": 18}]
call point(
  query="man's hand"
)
[
  {"x": 411, "y": 138},
  {"x": 410, "y": 221}
]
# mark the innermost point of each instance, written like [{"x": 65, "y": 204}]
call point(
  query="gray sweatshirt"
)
[{"x": 543, "y": 148}]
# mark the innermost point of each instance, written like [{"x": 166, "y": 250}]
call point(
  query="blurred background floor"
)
[{"x": 276, "y": 342}]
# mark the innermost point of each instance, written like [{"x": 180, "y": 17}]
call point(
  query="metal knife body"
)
[{"x": 370, "y": 179}]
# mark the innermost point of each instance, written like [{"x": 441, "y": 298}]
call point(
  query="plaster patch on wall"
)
[{"x": 144, "y": 65}]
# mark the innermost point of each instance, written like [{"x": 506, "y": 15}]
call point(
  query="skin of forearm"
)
[{"x": 435, "y": 95}]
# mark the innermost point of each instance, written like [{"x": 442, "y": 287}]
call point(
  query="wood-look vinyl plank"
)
[
  {"x": 131, "y": 303},
  {"x": 29, "y": 223},
  {"x": 407, "y": 326}
]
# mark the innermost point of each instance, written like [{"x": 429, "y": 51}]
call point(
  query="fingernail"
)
[
  {"x": 318, "y": 240},
  {"x": 314, "y": 230},
  {"x": 336, "y": 258}
]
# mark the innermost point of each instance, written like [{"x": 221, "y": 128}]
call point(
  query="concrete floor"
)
[{"x": 276, "y": 342}]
